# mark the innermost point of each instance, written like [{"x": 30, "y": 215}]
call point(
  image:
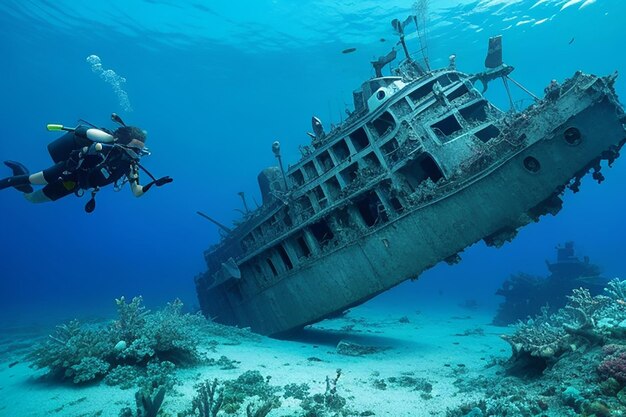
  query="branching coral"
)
[
  {"x": 585, "y": 320},
  {"x": 136, "y": 338},
  {"x": 148, "y": 403},
  {"x": 208, "y": 400}
]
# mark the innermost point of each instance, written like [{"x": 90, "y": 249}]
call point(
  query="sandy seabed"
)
[{"x": 443, "y": 348}]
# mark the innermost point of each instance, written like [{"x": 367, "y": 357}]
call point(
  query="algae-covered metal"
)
[{"x": 424, "y": 167}]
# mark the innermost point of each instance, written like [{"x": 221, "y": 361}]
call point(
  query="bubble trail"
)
[{"x": 110, "y": 77}]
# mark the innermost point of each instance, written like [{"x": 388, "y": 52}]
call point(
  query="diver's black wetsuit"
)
[
  {"x": 96, "y": 169},
  {"x": 86, "y": 157}
]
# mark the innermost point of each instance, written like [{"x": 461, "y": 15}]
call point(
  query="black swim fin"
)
[{"x": 19, "y": 181}]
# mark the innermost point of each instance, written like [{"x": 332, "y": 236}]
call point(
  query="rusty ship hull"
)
[{"x": 487, "y": 193}]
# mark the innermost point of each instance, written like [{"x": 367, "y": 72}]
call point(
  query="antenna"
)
[
  {"x": 245, "y": 205},
  {"x": 215, "y": 222},
  {"x": 420, "y": 18},
  {"x": 276, "y": 150},
  {"x": 399, "y": 28}
]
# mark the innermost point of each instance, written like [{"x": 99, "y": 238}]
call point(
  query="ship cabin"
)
[{"x": 405, "y": 137}]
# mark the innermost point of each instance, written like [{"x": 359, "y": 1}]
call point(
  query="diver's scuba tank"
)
[
  {"x": 76, "y": 138},
  {"x": 61, "y": 148}
]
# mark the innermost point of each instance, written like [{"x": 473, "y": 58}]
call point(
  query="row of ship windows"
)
[
  {"x": 380, "y": 127},
  {"x": 282, "y": 258},
  {"x": 472, "y": 114},
  {"x": 371, "y": 209},
  {"x": 322, "y": 195},
  {"x": 341, "y": 151},
  {"x": 319, "y": 198}
]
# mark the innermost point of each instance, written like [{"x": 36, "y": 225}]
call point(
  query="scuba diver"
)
[{"x": 86, "y": 157}]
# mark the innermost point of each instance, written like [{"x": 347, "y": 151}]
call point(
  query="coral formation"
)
[
  {"x": 148, "y": 403},
  {"x": 584, "y": 321},
  {"x": 137, "y": 339},
  {"x": 570, "y": 363}
]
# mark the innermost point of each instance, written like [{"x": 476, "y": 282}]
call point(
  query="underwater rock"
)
[
  {"x": 573, "y": 398},
  {"x": 476, "y": 412},
  {"x": 120, "y": 346},
  {"x": 354, "y": 349},
  {"x": 621, "y": 396},
  {"x": 597, "y": 409}
]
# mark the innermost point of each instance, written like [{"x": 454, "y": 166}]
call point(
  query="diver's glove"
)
[{"x": 160, "y": 182}]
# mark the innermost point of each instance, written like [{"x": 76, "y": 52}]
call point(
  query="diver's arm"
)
[
  {"x": 139, "y": 190},
  {"x": 133, "y": 178},
  {"x": 93, "y": 134}
]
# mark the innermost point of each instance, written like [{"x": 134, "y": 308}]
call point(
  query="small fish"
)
[
  {"x": 383, "y": 40},
  {"x": 12, "y": 364},
  {"x": 348, "y": 51},
  {"x": 571, "y": 41}
]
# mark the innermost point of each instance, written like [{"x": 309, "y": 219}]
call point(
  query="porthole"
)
[
  {"x": 380, "y": 94},
  {"x": 572, "y": 136},
  {"x": 532, "y": 164}
]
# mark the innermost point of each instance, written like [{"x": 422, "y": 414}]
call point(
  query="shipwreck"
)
[{"x": 423, "y": 167}]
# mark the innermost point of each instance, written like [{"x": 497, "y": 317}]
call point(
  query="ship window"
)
[
  {"x": 421, "y": 169},
  {"x": 297, "y": 177},
  {"x": 422, "y": 91},
  {"x": 487, "y": 133},
  {"x": 343, "y": 218},
  {"x": 458, "y": 92},
  {"x": 333, "y": 187},
  {"x": 390, "y": 150},
  {"x": 447, "y": 126},
  {"x": 320, "y": 196},
  {"x": 341, "y": 150},
  {"x": 322, "y": 232},
  {"x": 325, "y": 162},
  {"x": 301, "y": 248},
  {"x": 401, "y": 108},
  {"x": 447, "y": 79},
  {"x": 385, "y": 123},
  {"x": 359, "y": 139},
  {"x": 286, "y": 217},
  {"x": 285, "y": 257},
  {"x": 371, "y": 161},
  {"x": 257, "y": 268},
  {"x": 477, "y": 112},
  {"x": 371, "y": 209},
  {"x": 246, "y": 242},
  {"x": 272, "y": 267},
  {"x": 310, "y": 170},
  {"x": 349, "y": 174},
  {"x": 257, "y": 233},
  {"x": 396, "y": 204},
  {"x": 305, "y": 205},
  {"x": 444, "y": 81}
]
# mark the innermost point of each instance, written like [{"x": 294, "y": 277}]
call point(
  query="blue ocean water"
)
[{"x": 214, "y": 84}]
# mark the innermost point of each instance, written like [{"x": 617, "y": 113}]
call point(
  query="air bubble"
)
[{"x": 110, "y": 77}]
